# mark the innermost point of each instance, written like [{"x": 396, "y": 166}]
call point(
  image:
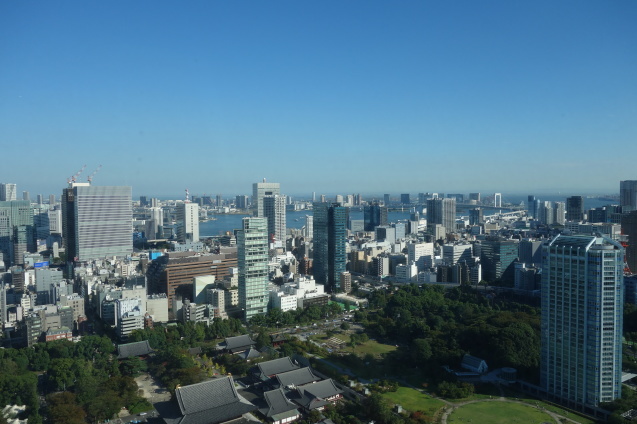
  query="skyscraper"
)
[
  {"x": 581, "y": 321},
  {"x": 628, "y": 195},
  {"x": 498, "y": 258},
  {"x": 575, "y": 208},
  {"x": 187, "y": 217},
  {"x": 274, "y": 212},
  {"x": 8, "y": 192},
  {"x": 252, "y": 241},
  {"x": 17, "y": 230},
  {"x": 97, "y": 221},
  {"x": 330, "y": 243},
  {"x": 259, "y": 191},
  {"x": 405, "y": 199},
  {"x": 443, "y": 212},
  {"x": 629, "y": 229},
  {"x": 373, "y": 216}
]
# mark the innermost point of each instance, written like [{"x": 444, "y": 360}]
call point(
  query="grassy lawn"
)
[
  {"x": 412, "y": 400},
  {"x": 371, "y": 347},
  {"x": 498, "y": 413},
  {"x": 560, "y": 411}
]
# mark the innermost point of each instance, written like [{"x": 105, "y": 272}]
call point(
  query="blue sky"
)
[{"x": 326, "y": 96}]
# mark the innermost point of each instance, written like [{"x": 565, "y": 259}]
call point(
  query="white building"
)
[
  {"x": 187, "y": 222},
  {"x": 259, "y": 191},
  {"x": 157, "y": 307}
]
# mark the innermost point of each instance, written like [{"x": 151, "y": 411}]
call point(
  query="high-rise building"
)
[
  {"x": 373, "y": 216},
  {"x": 581, "y": 320},
  {"x": 259, "y": 191},
  {"x": 530, "y": 206},
  {"x": 629, "y": 229},
  {"x": 17, "y": 230},
  {"x": 443, "y": 212},
  {"x": 575, "y": 208},
  {"x": 241, "y": 202},
  {"x": 252, "y": 242},
  {"x": 474, "y": 196},
  {"x": 330, "y": 244},
  {"x": 476, "y": 216},
  {"x": 51, "y": 200},
  {"x": 187, "y": 216},
  {"x": 274, "y": 212},
  {"x": 386, "y": 199},
  {"x": 143, "y": 201},
  {"x": 498, "y": 258},
  {"x": 97, "y": 221},
  {"x": 628, "y": 195},
  {"x": 8, "y": 192},
  {"x": 559, "y": 209},
  {"x": 26, "y": 196},
  {"x": 404, "y": 199},
  {"x": 545, "y": 214}
]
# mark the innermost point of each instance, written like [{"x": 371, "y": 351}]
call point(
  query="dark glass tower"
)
[
  {"x": 374, "y": 215},
  {"x": 330, "y": 243},
  {"x": 575, "y": 208}
]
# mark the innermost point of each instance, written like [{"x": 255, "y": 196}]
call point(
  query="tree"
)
[{"x": 63, "y": 409}]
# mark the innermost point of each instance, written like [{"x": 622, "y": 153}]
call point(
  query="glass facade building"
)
[
  {"x": 330, "y": 244},
  {"x": 252, "y": 241}
]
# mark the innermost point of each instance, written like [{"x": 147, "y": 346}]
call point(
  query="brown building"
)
[{"x": 174, "y": 271}]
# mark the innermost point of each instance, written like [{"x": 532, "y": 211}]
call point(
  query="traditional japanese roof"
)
[
  {"x": 133, "y": 349},
  {"x": 276, "y": 366},
  {"x": 279, "y": 407},
  {"x": 472, "y": 361},
  {"x": 279, "y": 337},
  {"x": 237, "y": 344},
  {"x": 315, "y": 395},
  {"x": 213, "y": 401},
  {"x": 249, "y": 354},
  {"x": 195, "y": 350},
  {"x": 296, "y": 378}
]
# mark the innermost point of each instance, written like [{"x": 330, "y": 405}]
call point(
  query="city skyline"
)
[{"x": 213, "y": 96}]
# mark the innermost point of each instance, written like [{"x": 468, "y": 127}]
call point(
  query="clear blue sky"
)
[{"x": 326, "y": 96}]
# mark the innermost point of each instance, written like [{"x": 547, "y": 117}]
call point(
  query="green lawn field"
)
[
  {"x": 498, "y": 413},
  {"x": 412, "y": 400}
]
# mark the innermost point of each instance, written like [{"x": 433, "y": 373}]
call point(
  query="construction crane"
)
[
  {"x": 90, "y": 177},
  {"x": 77, "y": 174}
]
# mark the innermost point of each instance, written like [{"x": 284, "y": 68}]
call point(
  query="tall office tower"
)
[
  {"x": 474, "y": 196},
  {"x": 241, "y": 202},
  {"x": 358, "y": 199},
  {"x": 443, "y": 212},
  {"x": 421, "y": 254},
  {"x": 530, "y": 206},
  {"x": 498, "y": 258},
  {"x": 454, "y": 253},
  {"x": 143, "y": 201},
  {"x": 154, "y": 202},
  {"x": 39, "y": 199},
  {"x": 581, "y": 321},
  {"x": 350, "y": 200},
  {"x": 323, "y": 199},
  {"x": 545, "y": 214},
  {"x": 575, "y": 208},
  {"x": 274, "y": 212},
  {"x": 497, "y": 200},
  {"x": 386, "y": 199},
  {"x": 629, "y": 229},
  {"x": 339, "y": 198},
  {"x": 259, "y": 191},
  {"x": 155, "y": 225},
  {"x": 55, "y": 221},
  {"x": 8, "y": 192},
  {"x": 313, "y": 197},
  {"x": 628, "y": 195},
  {"x": 330, "y": 244},
  {"x": 26, "y": 196},
  {"x": 17, "y": 231},
  {"x": 476, "y": 216},
  {"x": 404, "y": 199},
  {"x": 373, "y": 216},
  {"x": 187, "y": 222},
  {"x": 97, "y": 221},
  {"x": 51, "y": 200},
  {"x": 559, "y": 209},
  {"x": 309, "y": 226},
  {"x": 219, "y": 200},
  {"x": 252, "y": 242},
  {"x": 422, "y": 198}
]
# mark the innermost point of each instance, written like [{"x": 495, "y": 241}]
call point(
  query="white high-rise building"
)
[
  {"x": 454, "y": 253},
  {"x": 259, "y": 191},
  {"x": 581, "y": 321},
  {"x": 417, "y": 252},
  {"x": 8, "y": 192},
  {"x": 187, "y": 222},
  {"x": 274, "y": 212},
  {"x": 309, "y": 226}
]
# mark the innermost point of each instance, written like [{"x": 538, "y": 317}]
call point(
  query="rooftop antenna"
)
[
  {"x": 187, "y": 196},
  {"x": 90, "y": 177}
]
